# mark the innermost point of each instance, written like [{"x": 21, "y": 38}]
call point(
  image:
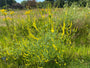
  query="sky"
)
[{"x": 19, "y": 1}]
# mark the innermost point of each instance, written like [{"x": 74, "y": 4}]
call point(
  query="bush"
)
[{"x": 17, "y": 6}]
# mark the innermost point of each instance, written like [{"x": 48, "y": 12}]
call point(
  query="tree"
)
[
  {"x": 52, "y": 1},
  {"x": 59, "y": 3},
  {"x": 6, "y": 2},
  {"x": 79, "y": 2},
  {"x": 31, "y": 3},
  {"x": 24, "y": 3},
  {"x": 17, "y": 6},
  {"x": 44, "y": 4}
]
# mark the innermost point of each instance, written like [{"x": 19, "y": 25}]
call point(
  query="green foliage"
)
[
  {"x": 44, "y": 4},
  {"x": 49, "y": 38},
  {"x": 23, "y": 3},
  {"x": 6, "y": 6},
  {"x": 82, "y": 3},
  {"x": 6, "y": 2},
  {"x": 59, "y": 3}
]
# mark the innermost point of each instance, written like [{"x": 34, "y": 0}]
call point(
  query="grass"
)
[
  {"x": 45, "y": 38},
  {"x": 82, "y": 65}
]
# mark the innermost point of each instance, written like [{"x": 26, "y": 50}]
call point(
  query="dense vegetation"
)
[
  {"x": 49, "y": 38},
  {"x": 6, "y": 4},
  {"x": 60, "y": 3}
]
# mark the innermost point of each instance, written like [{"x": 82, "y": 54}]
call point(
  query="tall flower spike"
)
[
  {"x": 63, "y": 28},
  {"x": 52, "y": 30},
  {"x": 54, "y": 47}
]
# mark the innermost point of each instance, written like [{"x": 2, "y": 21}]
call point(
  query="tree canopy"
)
[
  {"x": 6, "y": 2},
  {"x": 55, "y": 3},
  {"x": 60, "y": 3}
]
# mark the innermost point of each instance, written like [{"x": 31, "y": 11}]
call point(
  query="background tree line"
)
[
  {"x": 6, "y": 3},
  {"x": 44, "y": 4},
  {"x": 61, "y": 3}
]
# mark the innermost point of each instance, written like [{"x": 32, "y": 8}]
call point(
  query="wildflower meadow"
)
[{"x": 45, "y": 38}]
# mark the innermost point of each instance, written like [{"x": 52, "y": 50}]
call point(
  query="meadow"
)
[{"x": 45, "y": 38}]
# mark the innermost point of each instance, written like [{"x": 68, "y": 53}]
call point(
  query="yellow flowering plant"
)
[{"x": 42, "y": 38}]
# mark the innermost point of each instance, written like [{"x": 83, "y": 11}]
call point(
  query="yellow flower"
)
[
  {"x": 62, "y": 50},
  {"x": 3, "y": 10},
  {"x": 14, "y": 58},
  {"x": 27, "y": 12},
  {"x": 7, "y": 52},
  {"x": 25, "y": 54},
  {"x": 52, "y": 30},
  {"x": 46, "y": 60},
  {"x": 34, "y": 24},
  {"x": 42, "y": 9},
  {"x": 31, "y": 35},
  {"x": 54, "y": 46},
  {"x": 5, "y": 13},
  {"x": 63, "y": 28},
  {"x": 6, "y": 59},
  {"x": 64, "y": 64},
  {"x": 4, "y": 19},
  {"x": 27, "y": 64},
  {"x": 7, "y": 18},
  {"x": 56, "y": 62},
  {"x": 59, "y": 64},
  {"x": 12, "y": 12},
  {"x": 27, "y": 60},
  {"x": 71, "y": 47},
  {"x": 43, "y": 16}
]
